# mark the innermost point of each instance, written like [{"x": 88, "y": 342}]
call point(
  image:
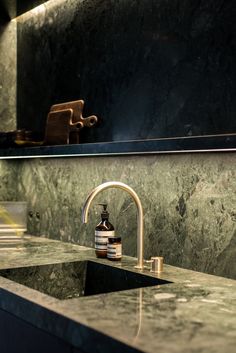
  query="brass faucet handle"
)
[{"x": 156, "y": 264}]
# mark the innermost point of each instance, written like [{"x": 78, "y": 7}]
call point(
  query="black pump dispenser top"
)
[{"x": 105, "y": 213}]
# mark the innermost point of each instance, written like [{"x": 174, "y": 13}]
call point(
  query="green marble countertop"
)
[{"x": 195, "y": 313}]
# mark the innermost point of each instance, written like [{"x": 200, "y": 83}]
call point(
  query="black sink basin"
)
[{"x": 77, "y": 279}]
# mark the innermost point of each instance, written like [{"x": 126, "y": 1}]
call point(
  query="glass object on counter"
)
[
  {"x": 114, "y": 249},
  {"x": 103, "y": 231},
  {"x": 13, "y": 219}
]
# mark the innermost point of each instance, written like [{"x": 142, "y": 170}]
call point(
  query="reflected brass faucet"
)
[{"x": 131, "y": 192}]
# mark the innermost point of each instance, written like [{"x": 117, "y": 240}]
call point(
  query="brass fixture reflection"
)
[{"x": 140, "y": 314}]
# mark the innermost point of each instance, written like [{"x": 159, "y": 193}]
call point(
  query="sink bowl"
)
[{"x": 76, "y": 279}]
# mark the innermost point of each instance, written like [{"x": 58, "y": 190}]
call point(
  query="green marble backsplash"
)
[
  {"x": 189, "y": 204},
  {"x": 8, "y": 181}
]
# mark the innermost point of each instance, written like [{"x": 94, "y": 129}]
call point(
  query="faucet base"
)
[{"x": 138, "y": 267}]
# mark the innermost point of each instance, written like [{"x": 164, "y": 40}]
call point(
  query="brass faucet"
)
[{"x": 131, "y": 192}]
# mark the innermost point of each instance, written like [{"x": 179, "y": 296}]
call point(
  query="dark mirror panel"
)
[{"x": 148, "y": 69}]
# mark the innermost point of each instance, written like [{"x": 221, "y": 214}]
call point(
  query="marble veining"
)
[
  {"x": 188, "y": 200},
  {"x": 8, "y": 181},
  {"x": 8, "y": 62},
  {"x": 77, "y": 279},
  {"x": 195, "y": 313}
]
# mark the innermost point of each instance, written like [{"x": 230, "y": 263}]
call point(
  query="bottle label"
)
[
  {"x": 104, "y": 233},
  {"x": 114, "y": 251},
  {"x": 101, "y": 239},
  {"x": 101, "y": 247}
]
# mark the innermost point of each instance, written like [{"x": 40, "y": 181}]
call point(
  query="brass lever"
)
[{"x": 156, "y": 264}]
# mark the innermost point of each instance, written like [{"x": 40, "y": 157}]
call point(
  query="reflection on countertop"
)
[{"x": 195, "y": 313}]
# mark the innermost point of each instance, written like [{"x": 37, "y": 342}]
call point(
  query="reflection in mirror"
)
[{"x": 148, "y": 70}]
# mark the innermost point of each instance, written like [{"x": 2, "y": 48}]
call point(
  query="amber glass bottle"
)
[
  {"x": 114, "y": 249},
  {"x": 103, "y": 231}
]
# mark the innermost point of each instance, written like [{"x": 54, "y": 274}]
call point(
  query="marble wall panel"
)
[
  {"x": 189, "y": 204},
  {"x": 8, "y": 76},
  {"x": 8, "y": 181}
]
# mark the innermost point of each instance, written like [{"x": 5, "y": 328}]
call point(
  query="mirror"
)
[{"x": 161, "y": 76}]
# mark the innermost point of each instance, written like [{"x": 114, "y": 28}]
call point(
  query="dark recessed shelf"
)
[{"x": 216, "y": 143}]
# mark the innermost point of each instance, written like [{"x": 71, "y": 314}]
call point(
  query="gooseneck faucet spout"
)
[{"x": 131, "y": 192}]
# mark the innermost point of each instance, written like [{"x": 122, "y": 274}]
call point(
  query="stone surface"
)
[
  {"x": 8, "y": 76},
  {"x": 159, "y": 69},
  {"x": 196, "y": 313},
  {"x": 75, "y": 279},
  {"x": 148, "y": 69},
  {"x": 188, "y": 200},
  {"x": 8, "y": 181}
]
